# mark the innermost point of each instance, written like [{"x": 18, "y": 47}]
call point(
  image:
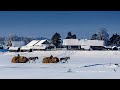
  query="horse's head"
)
[
  {"x": 68, "y": 57},
  {"x": 36, "y": 57}
]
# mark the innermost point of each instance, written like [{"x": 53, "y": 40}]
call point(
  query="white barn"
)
[
  {"x": 36, "y": 45},
  {"x": 82, "y": 43}
]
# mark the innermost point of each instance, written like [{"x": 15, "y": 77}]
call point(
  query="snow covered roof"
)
[
  {"x": 13, "y": 48},
  {"x": 70, "y": 41},
  {"x": 41, "y": 42},
  {"x": 36, "y": 42},
  {"x": 83, "y": 42},
  {"x": 33, "y": 42}
]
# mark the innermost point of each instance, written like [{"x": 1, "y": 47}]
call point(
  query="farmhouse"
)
[
  {"x": 37, "y": 45},
  {"x": 83, "y": 44}
]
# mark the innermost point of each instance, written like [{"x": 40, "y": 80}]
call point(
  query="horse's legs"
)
[
  {"x": 67, "y": 61},
  {"x": 32, "y": 60},
  {"x": 60, "y": 61},
  {"x": 35, "y": 61}
]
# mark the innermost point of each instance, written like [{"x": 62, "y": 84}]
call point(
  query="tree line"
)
[
  {"x": 13, "y": 37},
  {"x": 102, "y": 34}
]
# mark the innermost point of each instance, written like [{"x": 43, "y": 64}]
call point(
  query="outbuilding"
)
[{"x": 83, "y": 44}]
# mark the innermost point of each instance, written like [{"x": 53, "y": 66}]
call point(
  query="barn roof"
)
[
  {"x": 42, "y": 42},
  {"x": 33, "y": 42},
  {"x": 37, "y": 42}
]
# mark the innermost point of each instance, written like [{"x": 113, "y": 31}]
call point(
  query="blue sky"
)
[{"x": 46, "y": 23}]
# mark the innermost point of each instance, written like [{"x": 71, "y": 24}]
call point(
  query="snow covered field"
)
[{"x": 81, "y": 65}]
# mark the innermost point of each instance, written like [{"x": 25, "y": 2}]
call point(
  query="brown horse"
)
[{"x": 65, "y": 59}]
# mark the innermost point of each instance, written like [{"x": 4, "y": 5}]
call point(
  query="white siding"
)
[
  {"x": 38, "y": 47},
  {"x": 13, "y": 48},
  {"x": 26, "y": 48},
  {"x": 70, "y": 42},
  {"x": 86, "y": 47}
]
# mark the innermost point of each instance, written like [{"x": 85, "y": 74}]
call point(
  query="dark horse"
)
[
  {"x": 32, "y": 58},
  {"x": 65, "y": 59}
]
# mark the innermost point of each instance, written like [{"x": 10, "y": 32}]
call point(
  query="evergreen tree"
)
[
  {"x": 115, "y": 40},
  {"x": 70, "y": 36},
  {"x": 74, "y": 36},
  {"x": 94, "y": 37},
  {"x": 56, "y": 40}
]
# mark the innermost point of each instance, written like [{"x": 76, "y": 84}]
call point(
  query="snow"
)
[
  {"x": 81, "y": 65},
  {"x": 40, "y": 42},
  {"x": 33, "y": 42},
  {"x": 83, "y": 42}
]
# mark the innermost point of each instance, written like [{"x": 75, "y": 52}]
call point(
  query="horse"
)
[
  {"x": 117, "y": 64},
  {"x": 65, "y": 59},
  {"x": 33, "y": 59}
]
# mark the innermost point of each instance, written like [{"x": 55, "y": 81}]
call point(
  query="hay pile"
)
[
  {"x": 50, "y": 60},
  {"x": 19, "y": 59}
]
